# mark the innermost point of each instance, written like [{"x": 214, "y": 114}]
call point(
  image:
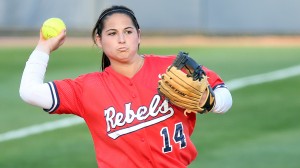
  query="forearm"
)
[
  {"x": 33, "y": 90},
  {"x": 223, "y": 100}
]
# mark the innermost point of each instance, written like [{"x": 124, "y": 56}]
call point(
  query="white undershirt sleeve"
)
[
  {"x": 223, "y": 100},
  {"x": 33, "y": 90}
]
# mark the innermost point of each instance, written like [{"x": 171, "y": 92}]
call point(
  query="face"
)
[{"x": 119, "y": 38}]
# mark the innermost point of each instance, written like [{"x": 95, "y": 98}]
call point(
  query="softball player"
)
[{"x": 131, "y": 125}]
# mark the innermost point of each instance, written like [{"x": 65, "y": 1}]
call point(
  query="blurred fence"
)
[{"x": 213, "y": 17}]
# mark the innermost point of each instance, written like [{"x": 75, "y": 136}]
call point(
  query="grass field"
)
[{"x": 262, "y": 129}]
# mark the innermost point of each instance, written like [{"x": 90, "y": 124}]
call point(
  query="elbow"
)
[
  {"x": 223, "y": 100},
  {"x": 25, "y": 95},
  {"x": 29, "y": 95},
  {"x": 227, "y": 104},
  {"x": 36, "y": 95}
]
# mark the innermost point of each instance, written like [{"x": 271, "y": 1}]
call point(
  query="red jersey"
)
[{"x": 131, "y": 125}]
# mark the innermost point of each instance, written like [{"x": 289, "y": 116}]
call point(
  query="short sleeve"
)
[
  {"x": 66, "y": 97},
  {"x": 214, "y": 79}
]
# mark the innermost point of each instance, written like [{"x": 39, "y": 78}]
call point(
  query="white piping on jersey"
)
[
  {"x": 232, "y": 85},
  {"x": 55, "y": 97}
]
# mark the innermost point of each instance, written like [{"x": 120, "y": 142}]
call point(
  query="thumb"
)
[{"x": 58, "y": 40}]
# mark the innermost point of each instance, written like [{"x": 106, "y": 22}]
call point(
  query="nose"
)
[{"x": 121, "y": 38}]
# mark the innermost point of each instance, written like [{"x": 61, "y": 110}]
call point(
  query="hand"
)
[
  {"x": 204, "y": 97},
  {"x": 51, "y": 44}
]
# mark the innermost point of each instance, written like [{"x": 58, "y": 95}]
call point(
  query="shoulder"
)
[
  {"x": 167, "y": 59},
  {"x": 80, "y": 80},
  {"x": 157, "y": 63},
  {"x": 88, "y": 76},
  {"x": 153, "y": 56}
]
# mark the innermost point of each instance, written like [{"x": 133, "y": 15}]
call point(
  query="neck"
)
[{"x": 129, "y": 69}]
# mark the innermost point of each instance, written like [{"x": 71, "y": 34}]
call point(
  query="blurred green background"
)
[{"x": 262, "y": 129}]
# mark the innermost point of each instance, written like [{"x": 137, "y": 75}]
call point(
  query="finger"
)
[{"x": 62, "y": 36}]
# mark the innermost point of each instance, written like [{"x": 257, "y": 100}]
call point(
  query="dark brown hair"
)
[{"x": 100, "y": 24}]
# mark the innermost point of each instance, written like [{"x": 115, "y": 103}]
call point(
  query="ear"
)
[
  {"x": 139, "y": 35},
  {"x": 98, "y": 41}
]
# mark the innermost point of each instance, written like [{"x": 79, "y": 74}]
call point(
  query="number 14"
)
[{"x": 178, "y": 137}]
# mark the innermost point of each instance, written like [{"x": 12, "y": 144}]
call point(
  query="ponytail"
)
[{"x": 105, "y": 61}]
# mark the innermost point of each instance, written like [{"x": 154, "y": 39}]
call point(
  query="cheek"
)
[
  {"x": 107, "y": 44},
  {"x": 107, "y": 50},
  {"x": 135, "y": 41}
]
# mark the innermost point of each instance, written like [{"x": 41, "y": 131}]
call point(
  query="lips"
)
[{"x": 122, "y": 49}]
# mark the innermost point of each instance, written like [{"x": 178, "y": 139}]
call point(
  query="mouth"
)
[{"x": 122, "y": 49}]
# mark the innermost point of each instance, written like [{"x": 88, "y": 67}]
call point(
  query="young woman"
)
[{"x": 131, "y": 125}]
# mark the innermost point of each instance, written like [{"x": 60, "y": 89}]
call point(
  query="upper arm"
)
[{"x": 38, "y": 95}]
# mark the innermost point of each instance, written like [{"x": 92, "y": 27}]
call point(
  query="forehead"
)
[{"x": 117, "y": 19}]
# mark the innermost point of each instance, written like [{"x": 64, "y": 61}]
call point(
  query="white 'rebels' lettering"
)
[
  {"x": 118, "y": 119},
  {"x": 153, "y": 106},
  {"x": 109, "y": 114},
  {"x": 141, "y": 113},
  {"x": 129, "y": 113}
]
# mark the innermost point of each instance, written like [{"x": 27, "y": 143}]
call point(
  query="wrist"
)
[
  {"x": 43, "y": 48},
  {"x": 39, "y": 57},
  {"x": 210, "y": 101}
]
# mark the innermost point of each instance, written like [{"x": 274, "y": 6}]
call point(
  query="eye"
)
[
  {"x": 111, "y": 33},
  {"x": 128, "y": 32}
]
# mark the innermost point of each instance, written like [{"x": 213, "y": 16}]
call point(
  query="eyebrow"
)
[{"x": 116, "y": 29}]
